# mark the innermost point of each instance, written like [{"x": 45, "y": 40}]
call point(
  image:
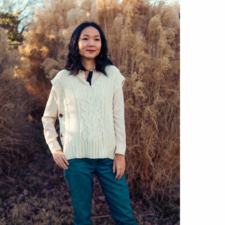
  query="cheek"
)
[
  {"x": 99, "y": 45},
  {"x": 81, "y": 45}
]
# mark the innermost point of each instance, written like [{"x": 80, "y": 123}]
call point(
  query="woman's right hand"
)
[{"x": 60, "y": 159}]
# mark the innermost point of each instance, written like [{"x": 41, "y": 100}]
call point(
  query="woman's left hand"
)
[{"x": 119, "y": 165}]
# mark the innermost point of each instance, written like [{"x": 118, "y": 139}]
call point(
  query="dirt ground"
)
[{"x": 37, "y": 193}]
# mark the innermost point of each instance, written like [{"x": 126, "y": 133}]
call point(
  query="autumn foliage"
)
[
  {"x": 144, "y": 43},
  {"x": 18, "y": 135}
]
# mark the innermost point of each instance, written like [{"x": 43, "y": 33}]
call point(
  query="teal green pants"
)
[{"x": 79, "y": 177}]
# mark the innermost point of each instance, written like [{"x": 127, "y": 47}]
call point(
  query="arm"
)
[
  {"x": 48, "y": 121},
  {"x": 119, "y": 121}
]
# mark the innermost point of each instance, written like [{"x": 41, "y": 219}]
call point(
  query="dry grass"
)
[
  {"x": 144, "y": 43},
  {"x": 17, "y": 128}
]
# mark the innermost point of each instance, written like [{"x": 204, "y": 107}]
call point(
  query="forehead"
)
[{"x": 90, "y": 31}]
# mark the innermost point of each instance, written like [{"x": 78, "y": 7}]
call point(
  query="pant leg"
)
[
  {"x": 116, "y": 193},
  {"x": 79, "y": 177}
]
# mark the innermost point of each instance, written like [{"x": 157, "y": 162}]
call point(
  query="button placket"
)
[{"x": 61, "y": 115}]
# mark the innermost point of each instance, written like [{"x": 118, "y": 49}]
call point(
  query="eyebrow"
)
[{"x": 88, "y": 35}]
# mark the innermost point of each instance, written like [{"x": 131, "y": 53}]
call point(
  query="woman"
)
[{"x": 92, "y": 127}]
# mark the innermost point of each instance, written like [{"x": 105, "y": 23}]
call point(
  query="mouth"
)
[{"x": 91, "y": 50}]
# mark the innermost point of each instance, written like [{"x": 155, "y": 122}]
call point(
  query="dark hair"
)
[{"x": 73, "y": 58}]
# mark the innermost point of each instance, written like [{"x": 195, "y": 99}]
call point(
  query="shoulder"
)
[
  {"x": 57, "y": 79},
  {"x": 61, "y": 73},
  {"x": 115, "y": 74},
  {"x": 112, "y": 69}
]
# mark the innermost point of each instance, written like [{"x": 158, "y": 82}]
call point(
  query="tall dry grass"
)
[
  {"x": 18, "y": 134},
  {"x": 143, "y": 41}
]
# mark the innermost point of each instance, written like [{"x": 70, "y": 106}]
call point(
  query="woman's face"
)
[{"x": 89, "y": 40}]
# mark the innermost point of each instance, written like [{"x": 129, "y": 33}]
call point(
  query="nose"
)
[{"x": 91, "y": 42}]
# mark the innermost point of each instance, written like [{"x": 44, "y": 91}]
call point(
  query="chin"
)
[{"x": 90, "y": 57}]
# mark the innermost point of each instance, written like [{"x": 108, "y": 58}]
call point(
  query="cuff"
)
[
  {"x": 54, "y": 146},
  {"x": 120, "y": 151}
]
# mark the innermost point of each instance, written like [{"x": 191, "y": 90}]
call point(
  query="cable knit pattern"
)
[{"x": 85, "y": 114}]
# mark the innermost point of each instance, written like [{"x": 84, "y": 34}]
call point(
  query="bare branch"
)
[
  {"x": 29, "y": 3},
  {"x": 22, "y": 18}
]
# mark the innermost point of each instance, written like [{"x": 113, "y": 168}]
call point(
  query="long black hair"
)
[{"x": 73, "y": 58}]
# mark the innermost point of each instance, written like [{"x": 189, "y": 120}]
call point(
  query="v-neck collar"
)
[
  {"x": 92, "y": 69},
  {"x": 78, "y": 76}
]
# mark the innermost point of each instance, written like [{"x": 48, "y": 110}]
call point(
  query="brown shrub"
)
[
  {"x": 143, "y": 40},
  {"x": 17, "y": 134}
]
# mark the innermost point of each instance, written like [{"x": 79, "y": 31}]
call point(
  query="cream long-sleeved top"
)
[{"x": 51, "y": 112}]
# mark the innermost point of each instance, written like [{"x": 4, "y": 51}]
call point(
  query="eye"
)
[{"x": 87, "y": 39}]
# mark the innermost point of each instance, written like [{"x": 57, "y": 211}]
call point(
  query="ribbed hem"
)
[{"x": 90, "y": 149}]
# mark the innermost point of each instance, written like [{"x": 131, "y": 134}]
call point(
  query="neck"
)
[{"x": 88, "y": 65}]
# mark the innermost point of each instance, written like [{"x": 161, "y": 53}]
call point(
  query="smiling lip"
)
[{"x": 91, "y": 50}]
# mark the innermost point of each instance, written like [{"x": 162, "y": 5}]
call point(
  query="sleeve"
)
[
  {"x": 119, "y": 81},
  {"x": 48, "y": 121},
  {"x": 119, "y": 121}
]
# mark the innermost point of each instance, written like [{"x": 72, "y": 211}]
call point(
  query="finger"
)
[
  {"x": 114, "y": 167},
  {"x": 118, "y": 174},
  {"x": 65, "y": 160},
  {"x": 121, "y": 174},
  {"x": 58, "y": 163},
  {"x": 62, "y": 164}
]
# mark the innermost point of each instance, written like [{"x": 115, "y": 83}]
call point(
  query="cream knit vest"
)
[{"x": 85, "y": 114}]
